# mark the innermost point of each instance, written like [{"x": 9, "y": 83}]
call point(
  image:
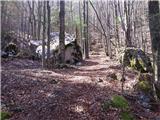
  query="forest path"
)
[{"x": 60, "y": 94}]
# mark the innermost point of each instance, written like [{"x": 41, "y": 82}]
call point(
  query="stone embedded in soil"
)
[{"x": 53, "y": 81}]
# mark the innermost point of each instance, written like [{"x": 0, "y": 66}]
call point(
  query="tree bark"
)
[
  {"x": 80, "y": 18},
  {"x": 44, "y": 35},
  {"x": 39, "y": 19},
  {"x": 154, "y": 25},
  {"x": 62, "y": 32},
  {"x": 86, "y": 48},
  {"x": 48, "y": 30},
  {"x": 128, "y": 24}
]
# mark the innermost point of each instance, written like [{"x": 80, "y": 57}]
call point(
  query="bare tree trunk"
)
[
  {"x": 80, "y": 18},
  {"x": 34, "y": 20},
  {"x": 154, "y": 25},
  {"x": 128, "y": 24},
  {"x": 44, "y": 35},
  {"x": 22, "y": 23},
  {"x": 39, "y": 19},
  {"x": 117, "y": 28},
  {"x": 87, "y": 38},
  {"x": 72, "y": 27},
  {"x": 109, "y": 31},
  {"x": 48, "y": 30},
  {"x": 62, "y": 32},
  {"x": 30, "y": 20}
]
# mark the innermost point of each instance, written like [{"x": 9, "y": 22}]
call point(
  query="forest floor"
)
[{"x": 74, "y": 93}]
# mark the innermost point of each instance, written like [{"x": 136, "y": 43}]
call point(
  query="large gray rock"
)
[{"x": 73, "y": 52}]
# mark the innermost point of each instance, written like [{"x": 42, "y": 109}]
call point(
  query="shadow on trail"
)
[{"x": 66, "y": 100}]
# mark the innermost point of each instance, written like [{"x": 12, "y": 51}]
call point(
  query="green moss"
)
[
  {"x": 126, "y": 116},
  {"x": 144, "y": 86},
  {"x": 133, "y": 63},
  {"x": 142, "y": 65},
  {"x": 119, "y": 102},
  {"x": 5, "y": 115}
]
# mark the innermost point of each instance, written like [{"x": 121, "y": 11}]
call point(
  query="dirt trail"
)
[{"x": 60, "y": 94}]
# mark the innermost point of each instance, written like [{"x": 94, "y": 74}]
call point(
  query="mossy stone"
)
[
  {"x": 145, "y": 83},
  {"x": 5, "y": 115},
  {"x": 136, "y": 59},
  {"x": 119, "y": 102},
  {"x": 144, "y": 86},
  {"x": 126, "y": 116}
]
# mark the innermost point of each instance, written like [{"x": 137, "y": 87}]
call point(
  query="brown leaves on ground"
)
[{"x": 31, "y": 93}]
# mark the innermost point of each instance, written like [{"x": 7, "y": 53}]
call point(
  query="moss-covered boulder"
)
[
  {"x": 136, "y": 59},
  {"x": 118, "y": 101},
  {"x": 126, "y": 116},
  {"x": 145, "y": 83},
  {"x": 5, "y": 115}
]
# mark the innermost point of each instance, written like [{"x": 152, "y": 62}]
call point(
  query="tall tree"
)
[
  {"x": 39, "y": 19},
  {"x": 116, "y": 20},
  {"x": 44, "y": 34},
  {"x": 48, "y": 30},
  {"x": 80, "y": 18},
  {"x": 85, "y": 31},
  {"x": 154, "y": 25},
  {"x": 34, "y": 20},
  {"x": 62, "y": 32}
]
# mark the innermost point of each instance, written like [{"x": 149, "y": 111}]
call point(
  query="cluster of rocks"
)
[
  {"x": 33, "y": 48},
  {"x": 137, "y": 59}
]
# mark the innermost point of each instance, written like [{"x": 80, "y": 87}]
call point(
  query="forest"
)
[{"x": 80, "y": 60}]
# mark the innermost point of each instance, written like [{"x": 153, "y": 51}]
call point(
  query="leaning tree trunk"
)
[
  {"x": 62, "y": 32},
  {"x": 104, "y": 32}
]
